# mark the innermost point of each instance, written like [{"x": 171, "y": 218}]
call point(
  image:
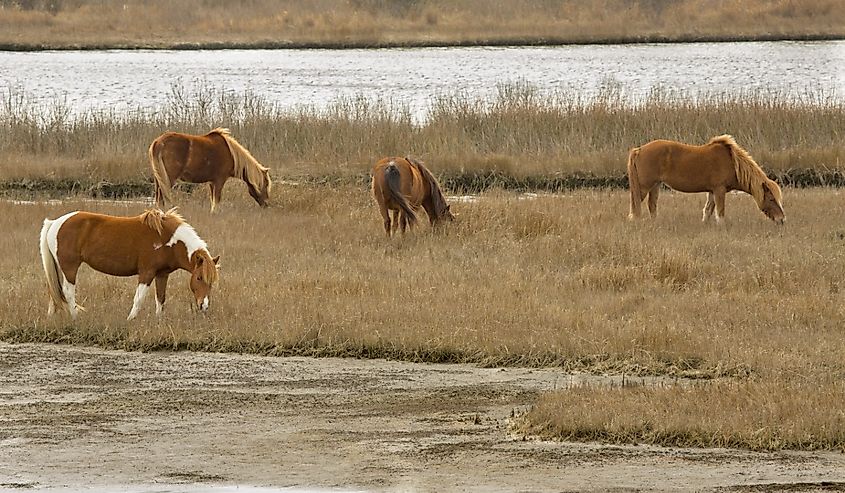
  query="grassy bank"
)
[
  {"x": 40, "y": 24},
  {"x": 556, "y": 280},
  {"x": 520, "y": 138}
]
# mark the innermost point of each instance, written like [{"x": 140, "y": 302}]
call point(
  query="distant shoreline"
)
[{"x": 364, "y": 44}]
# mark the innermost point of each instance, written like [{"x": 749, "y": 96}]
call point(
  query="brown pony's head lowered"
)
[
  {"x": 202, "y": 266},
  {"x": 255, "y": 175},
  {"x": 203, "y": 276},
  {"x": 442, "y": 210},
  {"x": 752, "y": 179}
]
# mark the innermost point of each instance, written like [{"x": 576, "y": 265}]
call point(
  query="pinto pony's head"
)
[{"x": 203, "y": 276}]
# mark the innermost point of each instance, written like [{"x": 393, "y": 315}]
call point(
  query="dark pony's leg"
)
[
  {"x": 397, "y": 218},
  {"x": 386, "y": 215},
  {"x": 404, "y": 222},
  {"x": 161, "y": 291},
  {"x": 652, "y": 200}
]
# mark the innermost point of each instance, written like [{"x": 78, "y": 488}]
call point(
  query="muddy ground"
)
[{"x": 74, "y": 417}]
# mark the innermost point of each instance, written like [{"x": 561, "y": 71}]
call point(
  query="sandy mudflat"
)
[{"x": 74, "y": 417}]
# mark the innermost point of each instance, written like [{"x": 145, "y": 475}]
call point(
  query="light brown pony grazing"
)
[
  {"x": 716, "y": 168},
  {"x": 151, "y": 246},
  {"x": 401, "y": 185},
  {"x": 212, "y": 158}
]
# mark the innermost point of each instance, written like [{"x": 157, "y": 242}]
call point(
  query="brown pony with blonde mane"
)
[
  {"x": 151, "y": 246},
  {"x": 717, "y": 167},
  {"x": 212, "y": 158},
  {"x": 402, "y": 185}
]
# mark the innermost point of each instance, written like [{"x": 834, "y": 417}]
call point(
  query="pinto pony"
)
[
  {"x": 212, "y": 158},
  {"x": 151, "y": 246},
  {"x": 716, "y": 167},
  {"x": 401, "y": 185}
]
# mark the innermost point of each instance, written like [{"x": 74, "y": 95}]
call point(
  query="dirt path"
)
[{"x": 72, "y": 417}]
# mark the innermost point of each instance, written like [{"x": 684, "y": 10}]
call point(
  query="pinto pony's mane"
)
[
  {"x": 440, "y": 205},
  {"x": 246, "y": 166},
  {"x": 155, "y": 219},
  {"x": 749, "y": 174}
]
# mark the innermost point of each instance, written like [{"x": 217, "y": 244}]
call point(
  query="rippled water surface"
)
[{"x": 130, "y": 79}]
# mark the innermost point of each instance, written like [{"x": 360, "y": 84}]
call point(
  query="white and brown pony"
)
[
  {"x": 716, "y": 168},
  {"x": 151, "y": 246},
  {"x": 402, "y": 185},
  {"x": 212, "y": 158}
]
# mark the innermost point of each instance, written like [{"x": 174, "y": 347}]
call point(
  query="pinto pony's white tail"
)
[{"x": 52, "y": 271}]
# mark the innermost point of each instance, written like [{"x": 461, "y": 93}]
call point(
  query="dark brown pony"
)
[
  {"x": 212, "y": 158},
  {"x": 402, "y": 185},
  {"x": 716, "y": 167},
  {"x": 151, "y": 246}
]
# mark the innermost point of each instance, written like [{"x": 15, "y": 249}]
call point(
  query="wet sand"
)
[{"x": 73, "y": 418}]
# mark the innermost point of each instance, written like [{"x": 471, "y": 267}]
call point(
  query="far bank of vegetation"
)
[
  {"x": 100, "y": 24},
  {"x": 520, "y": 139}
]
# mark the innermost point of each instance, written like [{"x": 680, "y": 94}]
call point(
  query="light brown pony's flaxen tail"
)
[
  {"x": 634, "y": 184},
  {"x": 162, "y": 181},
  {"x": 51, "y": 270},
  {"x": 393, "y": 180}
]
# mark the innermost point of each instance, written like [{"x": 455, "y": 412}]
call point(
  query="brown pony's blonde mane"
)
[
  {"x": 749, "y": 174},
  {"x": 436, "y": 192},
  {"x": 155, "y": 219},
  {"x": 246, "y": 166},
  {"x": 208, "y": 270}
]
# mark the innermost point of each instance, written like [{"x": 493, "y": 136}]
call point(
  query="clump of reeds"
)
[{"x": 768, "y": 415}]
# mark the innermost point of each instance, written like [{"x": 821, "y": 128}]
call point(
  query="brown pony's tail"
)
[
  {"x": 51, "y": 269},
  {"x": 162, "y": 181},
  {"x": 634, "y": 184},
  {"x": 393, "y": 179}
]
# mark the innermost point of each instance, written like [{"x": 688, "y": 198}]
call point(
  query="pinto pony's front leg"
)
[
  {"x": 161, "y": 290},
  {"x": 140, "y": 294}
]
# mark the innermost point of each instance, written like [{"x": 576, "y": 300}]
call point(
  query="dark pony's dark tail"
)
[{"x": 394, "y": 179}]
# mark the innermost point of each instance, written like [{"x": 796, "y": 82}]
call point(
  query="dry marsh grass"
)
[
  {"x": 521, "y": 133},
  {"x": 768, "y": 415},
  {"x": 560, "y": 280},
  {"x": 141, "y": 23}
]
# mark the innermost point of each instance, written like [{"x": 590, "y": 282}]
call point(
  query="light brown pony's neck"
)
[{"x": 434, "y": 200}]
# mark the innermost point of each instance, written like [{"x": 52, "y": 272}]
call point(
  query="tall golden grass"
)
[
  {"x": 133, "y": 23},
  {"x": 520, "y": 132},
  {"x": 559, "y": 280}
]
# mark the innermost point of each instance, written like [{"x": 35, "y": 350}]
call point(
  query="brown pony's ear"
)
[{"x": 216, "y": 259}]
